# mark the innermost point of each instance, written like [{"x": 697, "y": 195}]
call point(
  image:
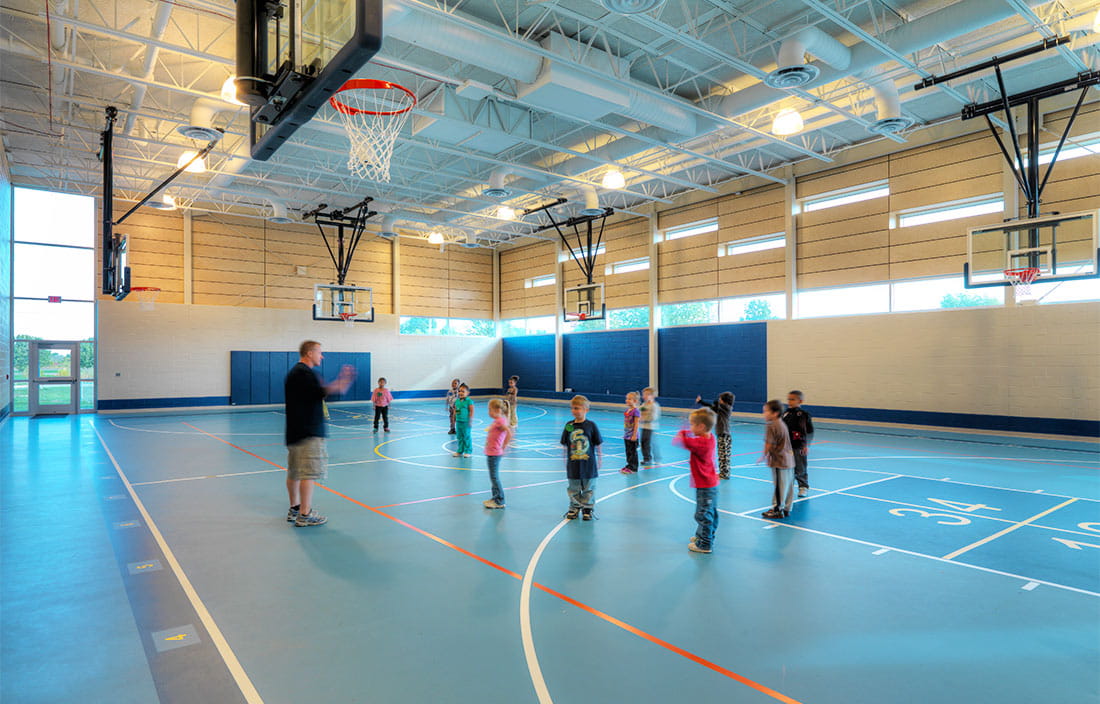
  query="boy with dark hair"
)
[
  {"x": 801, "y": 427},
  {"x": 722, "y": 408},
  {"x": 700, "y": 443},
  {"x": 307, "y": 458},
  {"x": 780, "y": 457},
  {"x": 582, "y": 443}
]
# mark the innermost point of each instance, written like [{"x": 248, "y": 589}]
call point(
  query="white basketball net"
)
[
  {"x": 373, "y": 113},
  {"x": 1021, "y": 281}
]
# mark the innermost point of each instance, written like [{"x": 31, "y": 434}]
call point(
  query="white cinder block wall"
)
[
  {"x": 183, "y": 350},
  {"x": 1024, "y": 361}
]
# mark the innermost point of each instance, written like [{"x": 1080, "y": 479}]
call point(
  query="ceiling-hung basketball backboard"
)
[
  {"x": 293, "y": 55},
  {"x": 1060, "y": 247}
]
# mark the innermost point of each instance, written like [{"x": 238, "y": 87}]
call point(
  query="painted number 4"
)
[
  {"x": 964, "y": 507},
  {"x": 953, "y": 505}
]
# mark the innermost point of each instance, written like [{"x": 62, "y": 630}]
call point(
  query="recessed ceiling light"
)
[{"x": 787, "y": 122}]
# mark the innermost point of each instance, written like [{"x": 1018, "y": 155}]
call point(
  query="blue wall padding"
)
[
  {"x": 605, "y": 363},
  {"x": 257, "y": 377},
  {"x": 532, "y": 359},
  {"x": 709, "y": 359}
]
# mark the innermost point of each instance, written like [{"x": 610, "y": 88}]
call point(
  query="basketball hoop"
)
[
  {"x": 373, "y": 113},
  {"x": 349, "y": 319},
  {"x": 576, "y": 317},
  {"x": 1021, "y": 281},
  {"x": 146, "y": 295}
]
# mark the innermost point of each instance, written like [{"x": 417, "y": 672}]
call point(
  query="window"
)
[
  {"x": 565, "y": 255},
  {"x": 1074, "y": 147},
  {"x": 777, "y": 240},
  {"x": 695, "y": 228},
  {"x": 932, "y": 294},
  {"x": 543, "y": 325},
  {"x": 623, "y": 318},
  {"x": 585, "y": 325},
  {"x": 1068, "y": 291},
  {"x": 692, "y": 313},
  {"x": 985, "y": 205},
  {"x": 846, "y": 196},
  {"x": 772, "y": 306},
  {"x": 536, "y": 281},
  {"x": 847, "y": 300},
  {"x": 411, "y": 325},
  {"x": 628, "y": 266}
]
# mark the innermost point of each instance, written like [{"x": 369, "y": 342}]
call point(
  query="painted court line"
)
[
  {"x": 239, "y": 675},
  {"x": 881, "y": 551},
  {"x": 824, "y": 493},
  {"x": 891, "y": 548},
  {"x": 470, "y": 493},
  {"x": 489, "y": 563},
  {"x": 1029, "y": 586},
  {"x": 1006, "y": 531}
]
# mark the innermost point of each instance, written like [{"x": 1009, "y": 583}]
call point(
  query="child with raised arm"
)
[
  {"x": 452, "y": 396},
  {"x": 700, "y": 443},
  {"x": 496, "y": 441},
  {"x": 780, "y": 457},
  {"x": 382, "y": 399},
  {"x": 631, "y": 419},
  {"x": 722, "y": 409},
  {"x": 512, "y": 396},
  {"x": 651, "y": 419},
  {"x": 582, "y": 443},
  {"x": 801, "y": 427},
  {"x": 464, "y": 418}
]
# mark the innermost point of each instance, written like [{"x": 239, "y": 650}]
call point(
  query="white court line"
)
[
  {"x": 239, "y": 675},
  {"x": 824, "y": 493},
  {"x": 881, "y": 551},
  {"x": 894, "y": 549},
  {"x": 205, "y": 476},
  {"x": 1006, "y": 531},
  {"x": 529, "y": 653},
  {"x": 1029, "y": 586}
]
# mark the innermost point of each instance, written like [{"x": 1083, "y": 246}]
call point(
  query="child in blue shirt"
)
[
  {"x": 464, "y": 418},
  {"x": 582, "y": 443}
]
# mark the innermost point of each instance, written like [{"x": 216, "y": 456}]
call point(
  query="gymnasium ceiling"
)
[{"x": 552, "y": 94}]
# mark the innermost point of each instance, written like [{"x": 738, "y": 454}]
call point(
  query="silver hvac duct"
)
[{"x": 793, "y": 70}]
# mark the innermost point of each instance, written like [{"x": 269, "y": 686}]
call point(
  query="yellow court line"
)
[{"x": 1021, "y": 524}]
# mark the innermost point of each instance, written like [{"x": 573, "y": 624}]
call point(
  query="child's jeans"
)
[
  {"x": 382, "y": 412},
  {"x": 648, "y": 455},
  {"x": 451, "y": 413},
  {"x": 631, "y": 454},
  {"x": 581, "y": 493},
  {"x": 706, "y": 515},
  {"x": 800, "y": 474},
  {"x": 463, "y": 437},
  {"x": 494, "y": 477},
  {"x": 783, "y": 495}
]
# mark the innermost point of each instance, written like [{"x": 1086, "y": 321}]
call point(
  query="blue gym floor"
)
[{"x": 147, "y": 558}]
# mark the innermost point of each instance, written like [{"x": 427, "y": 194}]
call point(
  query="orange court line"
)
[{"x": 580, "y": 605}]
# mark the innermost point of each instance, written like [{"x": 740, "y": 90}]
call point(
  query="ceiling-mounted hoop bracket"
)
[
  {"x": 586, "y": 250},
  {"x": 342, "y": 251}
]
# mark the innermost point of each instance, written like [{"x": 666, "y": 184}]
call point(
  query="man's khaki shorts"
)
[{"x": 307, "y": 459}]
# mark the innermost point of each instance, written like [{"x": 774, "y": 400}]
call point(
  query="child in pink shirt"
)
[
  {"x": 700, "y": 443},
  {"x": 497, "y": 439},
  {"x": 382, "y": 399}
]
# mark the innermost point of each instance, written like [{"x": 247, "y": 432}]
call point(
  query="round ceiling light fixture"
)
[
  {"x": 631, "y": 7},
  {"x": 166, "y": 202},
  {"x": 229, "y": 91},
  {"x": 787, "y": 121},
  {"x": 614, "y": 180},
  {"x": 435, "y": 237},
  {"x": 505, "y": 212},
  {"x": 198, "y": 166}
]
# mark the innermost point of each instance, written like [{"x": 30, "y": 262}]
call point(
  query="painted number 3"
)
[{"x": 955, "y": 520}]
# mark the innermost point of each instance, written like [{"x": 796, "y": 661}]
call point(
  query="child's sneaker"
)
[
  {"x": 723, "y": 475},
  {"x": 387, "y": 430},
  {"x": 572, "y": 514},
  {"x": 628, "y": 470},
  {"x": 311, "y": 519},
  {"x": 467, "y": 455},
  {"x": 292, "y": 514},
  {"x": 694, "y": 547},
  {"x": 588, "y": 515},
  {"x": 803, "y": 490},
  {"x": 492, "y": 503},
  {"x": 772, "y": 513}
]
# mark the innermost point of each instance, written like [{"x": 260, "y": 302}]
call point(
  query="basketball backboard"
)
[
  {"x": 583, "y": 302},
  {"x": 343, "y": 303},
  {"x": 294, "y": 55},
  {"x": 1061, "y": 247}
]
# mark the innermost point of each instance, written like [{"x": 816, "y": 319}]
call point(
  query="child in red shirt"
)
[{"x": 700, "y": 443}]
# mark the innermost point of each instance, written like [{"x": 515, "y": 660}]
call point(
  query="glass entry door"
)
[{"x": 54, "y": 377}]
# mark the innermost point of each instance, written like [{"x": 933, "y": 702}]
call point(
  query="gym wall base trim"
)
[{"x": 123, "y": 404}]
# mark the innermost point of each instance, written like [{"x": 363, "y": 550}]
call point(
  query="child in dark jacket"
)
[
  {"x": 722, "y": 409},
  {"x": 801, "y": 427}
]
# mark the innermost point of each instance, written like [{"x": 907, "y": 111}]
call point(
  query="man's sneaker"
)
[
  {"x": 694, "y": 547},
  {"x": 291, "y": 515},
  {"x": 803, "y": 490},
  {"x": 311, "y": 519},
  {"x": 588, "y": 515},
  {"x": 491, "y": 503},
  {"x": 572, "y": 514},
  {"x": 772, "y": 513}
]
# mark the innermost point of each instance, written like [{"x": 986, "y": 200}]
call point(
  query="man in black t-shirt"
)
[{"x": 307, "y": 458}]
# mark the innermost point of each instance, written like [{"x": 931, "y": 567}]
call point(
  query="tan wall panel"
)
[
  {"x": 852, "y": 215},
  {"x": 843, "y": 245},
  {"x": 846, "y": 177},
  {"x": 842, "y": 228},
  {"x": 731, "y": 227},
  {"x": 748, "y": 204},
  {"x": 946, "y": 192},
  {"x": 843, "y": 277},
  {"x": 687, "y": 215},
  {"x": 943, "y": 155}
]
